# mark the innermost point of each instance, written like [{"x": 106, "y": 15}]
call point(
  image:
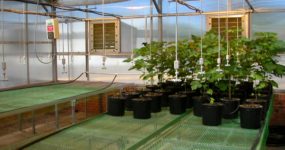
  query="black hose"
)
[{"x": 67, "y": 82}]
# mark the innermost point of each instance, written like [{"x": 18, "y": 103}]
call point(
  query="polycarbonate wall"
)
[
  {"x": 133, "y": 33},
  {"x": 15, "y": 47}
]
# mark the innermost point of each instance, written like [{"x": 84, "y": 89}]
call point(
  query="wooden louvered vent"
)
[{"x": 107, "y": 42}]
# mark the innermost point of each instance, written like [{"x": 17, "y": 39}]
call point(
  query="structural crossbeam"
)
[
  {"x": 182, "y": 2},
  {"x": 250, "y": 5},
  {"x": 67, "y": 8},
  {"x": 157, "y": 7}
]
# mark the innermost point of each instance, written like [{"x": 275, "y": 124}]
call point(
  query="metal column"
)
[
  {"x": 56, "y": 116},
  {"x": 87, "y": 47},
  {"x": 26, "y": 44}
]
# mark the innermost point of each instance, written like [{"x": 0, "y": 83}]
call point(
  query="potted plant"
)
[
  {"x": 212, "y": 113},
  {"x": 155, "y": 101},
  {"x": 265, "y": 48},
  {"x": 177, "y": 104},
  {"x": 141, "y": 108},
  {"x": 116, "y": 105}
]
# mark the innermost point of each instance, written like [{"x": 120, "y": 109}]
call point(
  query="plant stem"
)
[{"x": 230, "y": 89}]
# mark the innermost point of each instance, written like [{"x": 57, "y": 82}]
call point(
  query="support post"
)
[
  {"x": 20, "y": 121},
  {"x": 56, "y": 117},
  {"x": 87, "y": 47},
  {"x": 100, "y": 103},
  {"x": 33, "y": 122},
  {"x": 26, "y": 28},
  {"x": 73, "y": 103},
  {"x": 85, "y": 107}
]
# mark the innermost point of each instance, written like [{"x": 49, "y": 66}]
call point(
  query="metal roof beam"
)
[
  {"x": 157, "y": 7},
  {"x": 67, "y": 8},
  {"x": 250, "y": 5},
  {"x": 182, "y": 2}
]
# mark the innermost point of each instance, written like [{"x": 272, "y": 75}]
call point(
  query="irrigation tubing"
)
[{"x": 60, "y": 83}]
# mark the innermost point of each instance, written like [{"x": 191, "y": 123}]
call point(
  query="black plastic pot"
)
[
  {"x": 155, "y": 101},
  {"x": 230, "y": 108},
  {"x": 116, "y": 105},
  {"x": 198, "y": 102},
  {"x": 141, "y": 108},
  {"x": 212, "y": 114},
  {"x": 174, "y": 86},
  {"x": 152, "y": 87},
  {"x": 164, "y": 97},
  {"x": 177, "y": 104},
  {"x": 250, "y": 116},
  {"x": 130, "y": 96},
  {"x": 189, "y": 101},
  {"x": 262, "y": 102}
]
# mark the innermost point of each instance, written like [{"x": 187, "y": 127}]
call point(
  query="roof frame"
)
[
  {"x": 250, "y": 5},
  {"x": 68, "y": 8}
]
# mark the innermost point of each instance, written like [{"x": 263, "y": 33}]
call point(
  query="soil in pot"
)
[
  {"x": 116, "y": 105},
  {"x": 230, "y": 108},
  {"x": 250, "y": 116},
  {"x": 198, "y": 102},
  {"x": 164, "y": 97},
  {"x": 177, "y": 104},
  {"x": 212, "y": 114},
  {"x": 189, "y": 101},
  {"x": 141, "y": 108},
  {"x": 262, "y": 102},
  {"x": 130, "y": 96},
  {"x": 155, "y": 101}
]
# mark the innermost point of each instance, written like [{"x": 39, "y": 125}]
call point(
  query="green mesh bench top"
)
[
  {"x": 35, "y": 96},
  {"x": 162, "y": 131}
]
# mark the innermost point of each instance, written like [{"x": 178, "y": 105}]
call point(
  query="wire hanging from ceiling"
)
[
  {"x": 201, "y": 60},
  {"x": 176, "y": 61},
  {"x": 237, "y": 53},
  {"x": 4, "y": 64},
  {"x": 103, "y": 34},
  {"x": 63, "y": 60},
  {"x": 35, "y": 38},
  {"x": 219, "y": 40},
  {"x": 23, "y": 39},
  {"x": 227, "y": 36}
]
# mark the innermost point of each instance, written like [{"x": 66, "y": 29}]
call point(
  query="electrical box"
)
[{"x": 52, "y": 28}]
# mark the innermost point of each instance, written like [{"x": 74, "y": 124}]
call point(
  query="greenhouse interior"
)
[{"x": 142, "y": 74}]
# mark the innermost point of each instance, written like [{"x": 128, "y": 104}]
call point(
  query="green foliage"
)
[{"x": 254, "y": 59}]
